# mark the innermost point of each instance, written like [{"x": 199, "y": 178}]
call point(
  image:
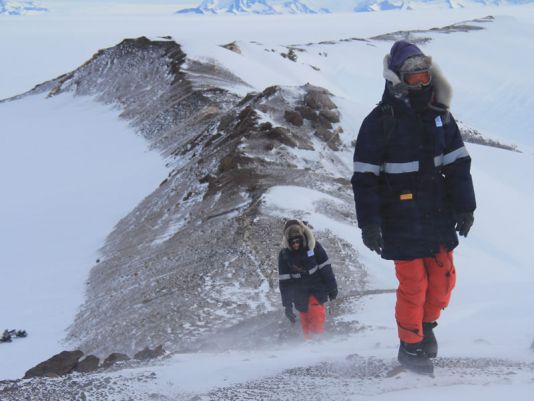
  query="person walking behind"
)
[{"x": 306, "y": 278}]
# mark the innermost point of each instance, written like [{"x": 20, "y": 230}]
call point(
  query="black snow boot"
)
[
  {"x": 430, "y": 345},
  {"x": 413, "y": 358}
]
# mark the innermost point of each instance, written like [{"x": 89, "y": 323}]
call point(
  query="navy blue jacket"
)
[
  {"x": 411, "y": 182},
  {"x": 303, "y": 273}
]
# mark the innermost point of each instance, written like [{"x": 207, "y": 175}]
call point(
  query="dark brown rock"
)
[
  {"x": 330, "y": 137},
  {"x": 291, "y": 55},
  {"x": 232, "y": 47},
  {"x": 227, "y": 163},
  {"x": 147, "y": 353},
  {"x": 308, "y": 113},
  {"x": 269, "y": 91},
  {"x": 88, "y": 364},
  {"x": 247, "y": 121},
  {"x": 266, "y": 126},
  {"x": 322, "y": 122},
  {"x": 114, "y": 358},
  {"x": 319, "y": 101},
  {"x": 59, "y": 365},
  {"x": 330, "y": 115},
  {"x": 293, "y": 117},
  {"x": 225, "y": 121},
  {"x": 282, "y": 135},
  {"x": 323, "y": 134}
]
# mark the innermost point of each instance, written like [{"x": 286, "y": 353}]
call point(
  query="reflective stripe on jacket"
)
[
  {"x": 304, "y": 273},
  {"x": 412, "y": 181}
]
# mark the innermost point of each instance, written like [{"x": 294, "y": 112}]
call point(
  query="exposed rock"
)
[
  {"x": 266, "y": 126},
  {"x": 324, "y": 134},
  {"x": 293, "y": 117},
  {"x": 322, "y": 122},
  {"x": 247, "y": 120},
  {"x": 330, "y": 115},
  {"x": 318, "y": 101},
  {"x": 232, "y": 47},
  {"x": 308, "y": 113},
  {"x": 318, "y": 98},
  {"x": 282, "y": 135},
  {"x": 225, "y": 121},
  {"x": 60, "y": 364},
  {"x": 228, "y": 163},
  {"x": 88, "y": 364},
  {"x": 330, "y": 137},
  {"x": 148, "y": 353},
  {"x": 471, "y": 135},
  {"x": 114, "y": 358},
  {"x": 291, "y": 55},
  {"x": 271, "y": 90}
]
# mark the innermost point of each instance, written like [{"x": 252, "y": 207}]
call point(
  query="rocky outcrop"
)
[
  {"x": 148, "y": 353},
  {"x": 113, "y": 358},
  {"x": 471, "y": 135},
  {"x": 89, "y": 364},
  {"x": 58, "y": 365},
  {"x": 318, "y": 98},
  {"x": 168, "y": 269}
]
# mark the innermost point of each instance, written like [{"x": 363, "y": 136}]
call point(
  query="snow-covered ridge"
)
[
  {"x": 157, "y": 282},
  {"x": 264, "y": 7},
  {"x": 20, "y": 7},
  {"x": 270, "y": 7}
]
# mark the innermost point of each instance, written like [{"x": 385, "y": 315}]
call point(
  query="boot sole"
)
[{"x": 425, "y": 371}]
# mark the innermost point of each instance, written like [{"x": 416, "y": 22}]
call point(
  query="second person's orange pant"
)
[
  {"x": 425, "y": 287},
  {"x": 312, "y": 321}
]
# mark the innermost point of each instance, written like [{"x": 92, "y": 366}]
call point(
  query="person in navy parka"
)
[
  {"x": 413, "y": 192},
  {"x": 306, "y": 277}
]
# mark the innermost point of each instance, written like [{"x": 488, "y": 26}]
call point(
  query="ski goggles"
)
[
  {"x": 416, "y": 79},
  {"x": 296, "y": 240}
]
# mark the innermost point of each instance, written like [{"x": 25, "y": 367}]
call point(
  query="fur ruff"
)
[
  {"x": 442, "y": 87},
  {"x": 306, "y": 232}
]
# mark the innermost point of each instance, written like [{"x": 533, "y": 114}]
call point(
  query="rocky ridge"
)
[{"x": 198, "y": 255}]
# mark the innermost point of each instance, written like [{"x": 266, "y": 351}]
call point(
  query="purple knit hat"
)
[{"x": 400, "y": 52}]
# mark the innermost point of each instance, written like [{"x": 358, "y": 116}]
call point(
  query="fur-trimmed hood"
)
[
  {"x": 296, "y": 226},
  {"x": 442, "y": 87}
]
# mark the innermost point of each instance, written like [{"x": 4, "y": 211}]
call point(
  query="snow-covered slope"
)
[
  {"x": 20, "y": 7},
  {"x": 267, "y": 7},
  {"x": 70, "y": 169}
]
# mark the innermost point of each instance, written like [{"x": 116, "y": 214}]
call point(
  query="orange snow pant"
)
[
  {"x": 312, "y": 321},
  {"x": 425, "y": 287}
]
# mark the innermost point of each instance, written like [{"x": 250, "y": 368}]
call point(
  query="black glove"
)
[
  {"x": 332, "y": 294},
  {"x": 372, "y": 238},
  {"x": 290, "y": 315},
  {"x": 464, "y": 221}
]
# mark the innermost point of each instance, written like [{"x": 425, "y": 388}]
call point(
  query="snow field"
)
[{"x": 70, "y": 169}]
